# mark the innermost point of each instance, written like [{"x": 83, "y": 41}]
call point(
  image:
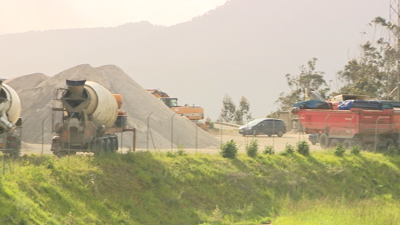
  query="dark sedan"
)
[{"x": 267, "y": 126}]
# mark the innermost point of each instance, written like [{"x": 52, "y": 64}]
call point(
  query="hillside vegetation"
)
[{"x": 177, "y": 188}]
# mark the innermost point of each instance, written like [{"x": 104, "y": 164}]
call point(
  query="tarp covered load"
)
[
  {"x": 312, "y": 104},
  {"x": 359, "y": 104}
]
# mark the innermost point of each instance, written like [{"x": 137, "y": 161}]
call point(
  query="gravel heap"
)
[{"x": 37, "y": 90}]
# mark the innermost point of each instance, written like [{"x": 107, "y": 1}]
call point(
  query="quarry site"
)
[{"x": 157, "y": 129}]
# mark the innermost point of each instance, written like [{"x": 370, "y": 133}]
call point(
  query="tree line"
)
[{"x": 374, "y": 73}]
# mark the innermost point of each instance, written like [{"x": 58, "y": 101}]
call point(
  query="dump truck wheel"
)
[
  {"x": 347, "y": 144},
  {"x": 334, "y": 143},
  {"x": 324, "y": 141}
]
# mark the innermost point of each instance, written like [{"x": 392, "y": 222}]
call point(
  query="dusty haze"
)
[{"x": 244, "y": 48}]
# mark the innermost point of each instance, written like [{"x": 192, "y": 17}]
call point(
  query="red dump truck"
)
[{"x": 368, "y": 127}]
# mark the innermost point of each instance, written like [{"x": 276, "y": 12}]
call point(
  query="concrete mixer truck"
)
[
  {"x": 86, "y": 118},
  {"x": 10, "y": 121}
]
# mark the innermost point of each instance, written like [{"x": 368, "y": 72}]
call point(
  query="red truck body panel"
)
[{"x": 347, "y": 123}]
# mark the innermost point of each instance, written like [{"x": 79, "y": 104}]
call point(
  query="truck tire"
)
[
  {"x": 114, "y": 144},
  {"x": 107, "y": 146},
  {"x": 280, "y": 134},
  {"x": 324, "y": 141},
  {"x": 334, "y": 142},
  {"x": 347, "y": 144},
  {"x": 103, "y": 147}
]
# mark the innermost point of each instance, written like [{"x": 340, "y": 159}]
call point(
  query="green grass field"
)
[{"x": 177, "y": 188}]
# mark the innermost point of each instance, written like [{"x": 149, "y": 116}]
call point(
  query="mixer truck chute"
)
[
  {"x": 89, "y": 116},
  {"x": 10, "y": 121}
]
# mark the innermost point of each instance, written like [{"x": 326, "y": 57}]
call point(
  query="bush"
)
[
  {"x": 181, "y": 151},
  {"x": 211, "y": 125},
  {"x": 289, "y": 149},
  {"x": 229, "y": 149},
  {"x": 269, "y": 150},
  {"x": 355, "y": 150},
  {"x": 303, "y": 148},
  {"x": 252, "y": 149},
  {"x": 340, "y": 150}
]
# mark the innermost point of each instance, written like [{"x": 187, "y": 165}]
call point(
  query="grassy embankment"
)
[{"x": 169, "y": 188}]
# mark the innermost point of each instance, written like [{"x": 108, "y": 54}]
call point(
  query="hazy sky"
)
[
  {"x": 26, "y": 15},
  {"x": 330, "y": 30}
]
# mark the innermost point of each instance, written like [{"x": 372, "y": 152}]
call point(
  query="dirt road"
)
[{"x": 278, "y": 143}]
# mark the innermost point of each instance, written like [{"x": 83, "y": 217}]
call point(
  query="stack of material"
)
[{"x": 37, "y": 91}]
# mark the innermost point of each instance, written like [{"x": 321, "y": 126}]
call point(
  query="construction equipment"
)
[
  {"x": 10, "y": 121},
  {"x": 90, "y": 116},
  {"x": 193, "y": 113}
]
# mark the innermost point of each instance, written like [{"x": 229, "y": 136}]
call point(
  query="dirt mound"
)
[{"x": 37, "y": 90}]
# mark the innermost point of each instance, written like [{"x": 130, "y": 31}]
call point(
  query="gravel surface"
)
[{"x": 279, "y": 143}]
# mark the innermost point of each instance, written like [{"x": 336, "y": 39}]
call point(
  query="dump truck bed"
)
[{"x": 347, "y": 123}]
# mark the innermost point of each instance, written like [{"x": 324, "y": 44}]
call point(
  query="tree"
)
[
  {"x": 228, "y": 110},
  {"x": 242, "y": 113},
  {"x": 308, "y": 78},
  {"x": 374, "y": 73}
]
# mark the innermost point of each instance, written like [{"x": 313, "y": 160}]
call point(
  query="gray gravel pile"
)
[{"x": 37, "y": 90}]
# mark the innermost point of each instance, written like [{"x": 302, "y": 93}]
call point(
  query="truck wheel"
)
[
  {"x": 334, "y": 143},
  {"x": 107, "y": 145},
  {"x": 103, "y": 147},
  {"x": 59, "y": 153},
  {"x": 324, "y": 141},
  {"x": 347, "y": 144},
  {"x": 114, "y": 144},
  {"x": 280, "y": 134}
]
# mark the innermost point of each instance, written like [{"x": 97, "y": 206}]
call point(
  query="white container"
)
[
  {"x": 103, "y": 106},
  {"x": 10, "y": 108}
]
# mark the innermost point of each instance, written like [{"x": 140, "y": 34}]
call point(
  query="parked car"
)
[{"x": 268, "y": 126}]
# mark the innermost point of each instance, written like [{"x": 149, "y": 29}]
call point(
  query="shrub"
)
[
  {"x": 229, "y": 149},
  {"x": 303, "y": 148},
  {"x": 339, "y": 150},
  {"x": 289, "y": 149},
  {"x": 269, "y": 150},
  {"x": 252, "y": 149},
  {"x": 211, "y": 125},
  {"x": 355, "y": 150},
  {"x": 181, "y": 151}
]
